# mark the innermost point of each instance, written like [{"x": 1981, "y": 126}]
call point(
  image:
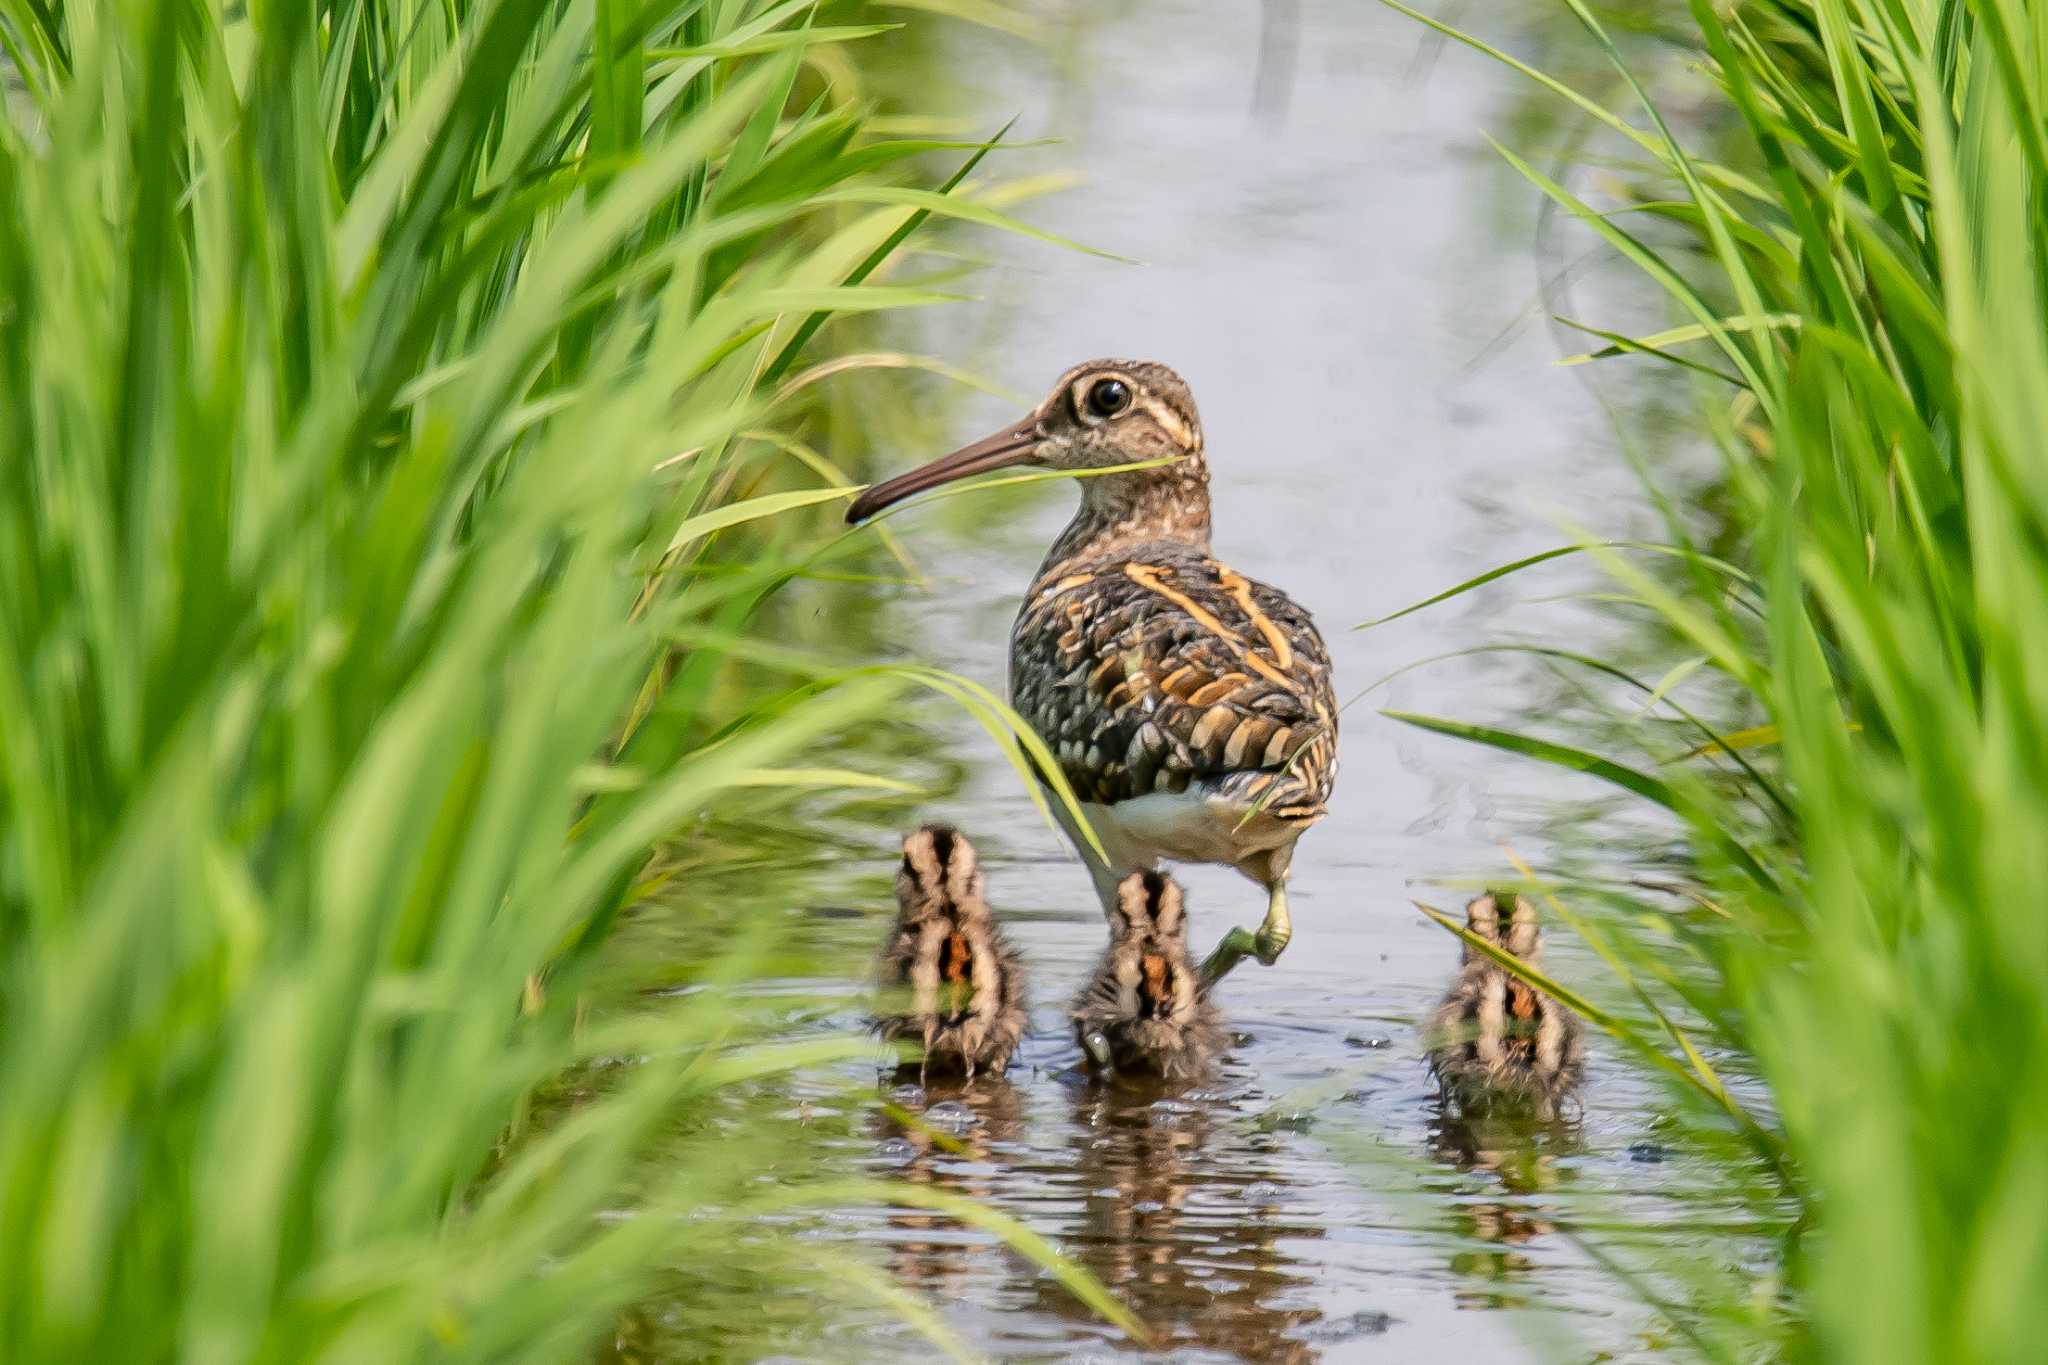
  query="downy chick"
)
[
  {"x": 959, "y": 986},
  {"x": 1495, "y": 1041},
  {"x": 1143, "y": 1011}
]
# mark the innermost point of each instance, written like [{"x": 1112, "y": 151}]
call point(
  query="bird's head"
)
[
  {"x": 1149, "y": 907},
  {"x": 940, "y": 876},
  {"x": 1100, "y": 415}
]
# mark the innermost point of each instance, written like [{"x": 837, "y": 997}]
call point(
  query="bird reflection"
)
[
  {"x": 1520, "y": 1153},
  {"x": 1489, "y": 1275},
  {"x": 1520, "y": 1150},
  {"x": 948, "y": 1147},
  {"x": 1183, "y": 1218}
]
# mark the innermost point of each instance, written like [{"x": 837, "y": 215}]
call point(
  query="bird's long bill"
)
[{"x": 1011, "y": 445}]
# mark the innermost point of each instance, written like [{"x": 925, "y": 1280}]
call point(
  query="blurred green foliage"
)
[
  {"x": 403, "y": 410},
  {"x": 1857, "y": 276}
]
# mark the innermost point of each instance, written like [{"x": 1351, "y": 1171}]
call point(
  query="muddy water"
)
[{"x": 1346, "y": 277}]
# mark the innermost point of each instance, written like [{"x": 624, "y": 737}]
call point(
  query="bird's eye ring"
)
[{"x": 1108, "y": 397}]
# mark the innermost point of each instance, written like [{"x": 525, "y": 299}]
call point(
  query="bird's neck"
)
[{"x": 1121, "y": 511}]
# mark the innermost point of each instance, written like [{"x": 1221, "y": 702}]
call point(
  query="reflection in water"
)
[
  {"x": 1520, "y": 1149},
  {"x": 948, "y": 1147},
  {"x": 1279, "y": 53},
  {"x": 1520, "y": 1153},
  {"x": 1497, "y": 1274},
  {"x": 1187, "y": 1219},
  {"x": 1170, "y": 1198}
]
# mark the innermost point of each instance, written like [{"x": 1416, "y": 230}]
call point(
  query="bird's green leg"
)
[
  {"x": 1266, "y": 945},
  {"x": 1273, "y": 935}
]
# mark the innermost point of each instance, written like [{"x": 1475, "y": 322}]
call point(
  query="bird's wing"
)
[{"x": 1149, "y": 674}]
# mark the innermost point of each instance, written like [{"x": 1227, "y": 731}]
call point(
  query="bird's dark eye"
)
[{"x": 1109, "y": 397}]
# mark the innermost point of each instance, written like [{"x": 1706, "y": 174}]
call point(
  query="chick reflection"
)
[
  {"x": 1182, "y": 1217},
  {"x": 1493, "y": 1265},
  {"x": 1519, "y": 1152},
  {"x": 947, "y": 1147}
]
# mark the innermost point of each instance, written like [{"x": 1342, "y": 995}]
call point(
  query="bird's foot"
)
[
  {"x": 1266, "y": 945},
  {"x": 1235, "y": 947},
  {"x": 1271, "y": 941}
]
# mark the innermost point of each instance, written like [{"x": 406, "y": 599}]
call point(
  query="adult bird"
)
[{"x": 1189, "y": 707}]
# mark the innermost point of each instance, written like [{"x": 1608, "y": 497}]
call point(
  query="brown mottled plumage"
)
[
  {"x": 1496, "y": 1041},
  {"x": 1144, "y": 1010},
  {"x": 957, "y": 987},
  {"x": 1137, "y": 693},
  {"x": 1191, "y": 708}
]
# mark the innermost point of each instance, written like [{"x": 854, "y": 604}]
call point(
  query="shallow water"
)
[{"x": 1345, "y": 275}]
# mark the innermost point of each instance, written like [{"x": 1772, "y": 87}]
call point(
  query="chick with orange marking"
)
[
  {"x": 948, "y": 980},
  {"x": 1496, "y": 1042},
  {"x": 1144, "y": 1011}
]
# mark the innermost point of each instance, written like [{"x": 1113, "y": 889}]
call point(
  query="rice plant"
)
[
  {"x": 374, "y": 378},
  {"x": 1859, "y": 294}
]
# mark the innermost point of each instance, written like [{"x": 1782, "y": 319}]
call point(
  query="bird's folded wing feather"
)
[{"x": 1151, "y": 674}]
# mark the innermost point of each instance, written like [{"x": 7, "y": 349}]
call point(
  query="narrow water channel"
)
[{"x": 1346, "y": 276}]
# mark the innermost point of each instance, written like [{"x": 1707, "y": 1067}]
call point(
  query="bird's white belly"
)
[{"x": 1185, "y": 827}]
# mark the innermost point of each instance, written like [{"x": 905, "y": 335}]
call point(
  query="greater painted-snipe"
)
[
  {"x": 1496, "y": 1041},
  {"x": 1143, "y": 1011},
  {"x": 1190, "y": 707},
  {"x": 950, "y": 981}
]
